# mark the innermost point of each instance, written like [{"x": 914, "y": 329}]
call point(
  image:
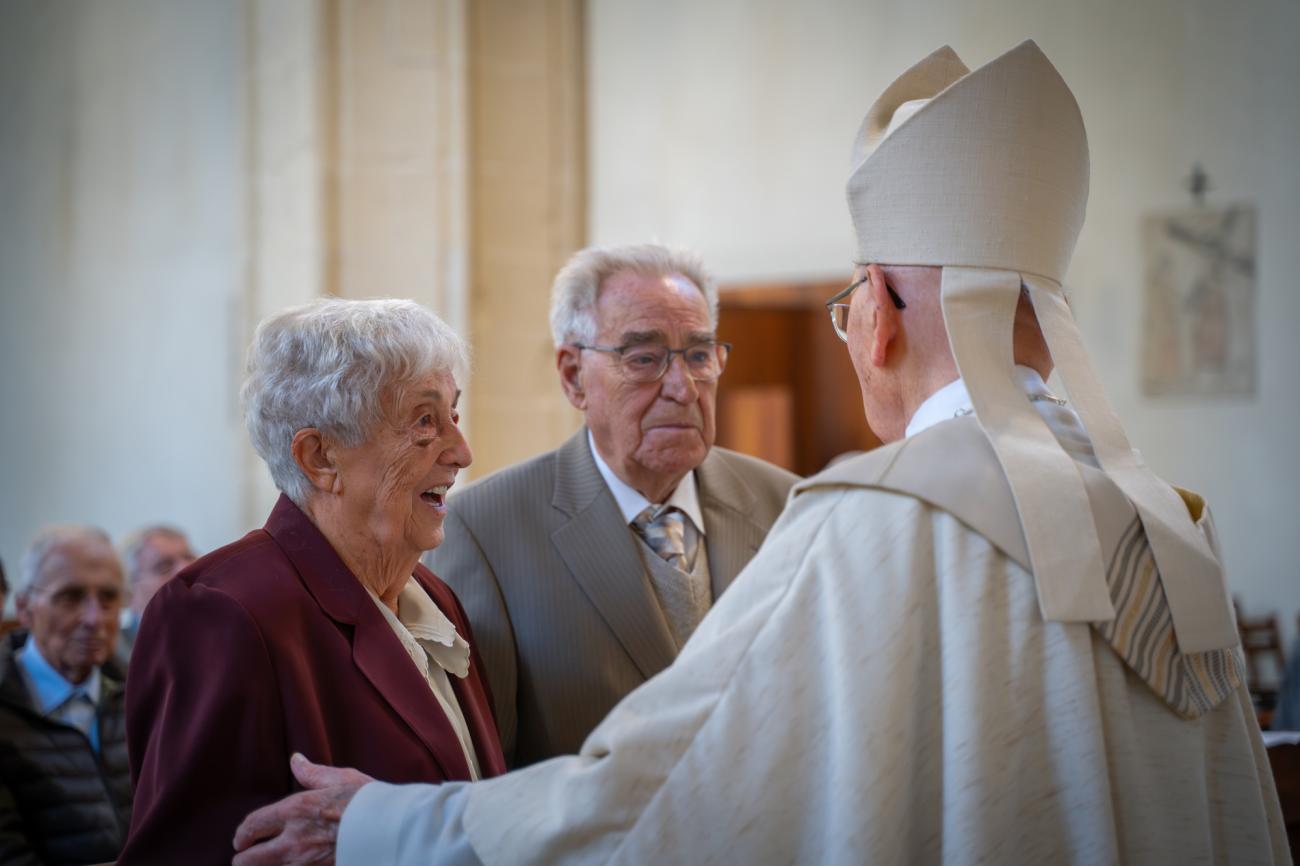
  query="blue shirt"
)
[{"x": 56, "y": 698}]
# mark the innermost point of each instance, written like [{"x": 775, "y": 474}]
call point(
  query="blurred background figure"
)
[
  {"x": 152, "y": 556},
  {"x": 65, "y": 786},
  {"x": 1287, "y": 715},
  {"x": 4, "y": 590}
]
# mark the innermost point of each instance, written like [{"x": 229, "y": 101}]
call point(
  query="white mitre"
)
[{"x": 985, "y": 173}]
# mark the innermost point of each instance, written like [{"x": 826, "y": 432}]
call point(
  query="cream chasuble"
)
[{"x": 878, "y": 686}]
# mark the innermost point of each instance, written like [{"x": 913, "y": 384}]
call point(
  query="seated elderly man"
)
[
  {"x": 153, "y": 556},
  {"x": 65, "y": 786},
  {"x": 320, "y": 633}
]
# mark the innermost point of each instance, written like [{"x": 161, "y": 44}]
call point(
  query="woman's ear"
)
[
  {"x": 317, "y": 460},
  {"x": 568, "y": 360}
]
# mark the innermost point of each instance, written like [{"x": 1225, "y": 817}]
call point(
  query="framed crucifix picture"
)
[{"x": 1199, "y": 336}]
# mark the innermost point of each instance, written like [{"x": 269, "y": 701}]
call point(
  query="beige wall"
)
[
  {"x": 122, "y": 261},
  {"x": 726, "y": 125},
  {"x": 174, "y": 172}
]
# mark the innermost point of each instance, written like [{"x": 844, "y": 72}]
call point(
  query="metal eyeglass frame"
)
[
  {"x": 668, "y": 358},
  {"x": 837, "y": 302}
]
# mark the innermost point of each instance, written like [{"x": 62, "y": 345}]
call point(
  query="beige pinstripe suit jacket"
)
[{"x": 562, "y": 610}]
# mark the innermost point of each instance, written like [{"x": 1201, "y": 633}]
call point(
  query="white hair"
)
[
  {"x": 135, "y": 543},
  {"x": 577, "y": 285},
  {"x": 330, "y": 364},
  {"x": 49, "y": 541}
]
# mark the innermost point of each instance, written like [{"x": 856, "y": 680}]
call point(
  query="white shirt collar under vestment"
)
[
  {"x": 420, "y": 619},
  {"x": 953, "y": 400},
  {"x": 685, "y": 498}
]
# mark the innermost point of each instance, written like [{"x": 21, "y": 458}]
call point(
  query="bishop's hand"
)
[{"x": 304, "y": 827}]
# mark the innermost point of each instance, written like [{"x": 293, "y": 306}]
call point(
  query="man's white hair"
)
[
  {"x": 574, "y": 293},
  {"x": 135, "y": 543},
  {"x": 48, "y": 541},
  {"x": 330, "y": 364}
]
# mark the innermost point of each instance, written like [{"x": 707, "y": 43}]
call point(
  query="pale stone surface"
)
[
  {"x": 287, "y": 154},
  {"x": 528, "y": 206},
  {"x": 121, "y": 267},
  {"x": 359, "y": 151}
]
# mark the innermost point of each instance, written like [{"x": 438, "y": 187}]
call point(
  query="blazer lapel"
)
[
  {"x": 600, "y": 552},
  {"x": 380, "y": 656},
  {"x": 377, "y": 652},
  {"x": 731, "y": 536},
  {"x": 482, "y": 728},
  {"x": 470, "y": 691}
]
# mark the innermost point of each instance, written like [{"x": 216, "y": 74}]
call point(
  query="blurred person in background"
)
[
  {"x": 1287, "y": 715},
  {"x": 65, "y": 785},
  {"x": 152, "y": 556},
  {"x": 320, "y": 633},
  {"x": 4, "y": 589}
]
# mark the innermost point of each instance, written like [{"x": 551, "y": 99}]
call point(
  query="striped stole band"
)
[{"x": 1142, "y": 632}]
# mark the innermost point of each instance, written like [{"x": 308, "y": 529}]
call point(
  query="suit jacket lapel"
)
[
  {"x": 376, "y": 651},
  {"x": 731, "y": 535},
  {"x": 602, "y": 555}
]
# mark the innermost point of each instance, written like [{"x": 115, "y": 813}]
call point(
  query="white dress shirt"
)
[
  {"x": 953, "y": 400},
  {"x": 685, "y": 498}
]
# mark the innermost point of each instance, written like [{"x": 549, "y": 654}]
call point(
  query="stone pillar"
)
[
  {"x": 528, "y": 205},
  {"x": 375, "y": 129},
  {"x": 357, "y": 161},
  {"x": 398, "y": 208},
  {"x": 287, "y": 152}
]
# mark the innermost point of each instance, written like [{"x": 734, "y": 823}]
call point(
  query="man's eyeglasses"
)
[
  {"x": 838, "y": 307},
  {"x": 647, "y": 362}
]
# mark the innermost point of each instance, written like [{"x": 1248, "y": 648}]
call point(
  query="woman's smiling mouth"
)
[{"x": 436, "y": 496}]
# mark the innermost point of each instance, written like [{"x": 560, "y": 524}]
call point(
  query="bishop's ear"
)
[
  {"x": 885, "y": 317},
  {"x": 317, "y": 458},
  {"x": 568, "y": 360}
]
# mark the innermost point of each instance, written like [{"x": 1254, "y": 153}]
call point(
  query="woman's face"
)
[{"x": 394, "y": 485}]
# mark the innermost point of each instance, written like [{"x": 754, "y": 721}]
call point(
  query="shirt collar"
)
[
  {"x": 429, "y": 631},
  {"x": 48, "y": 688},
  {"x": 953, "y": 400},
  {"x": 685, "y": 498}
]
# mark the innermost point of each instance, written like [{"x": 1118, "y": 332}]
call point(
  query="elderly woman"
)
[{"x": 319, "y": 633}]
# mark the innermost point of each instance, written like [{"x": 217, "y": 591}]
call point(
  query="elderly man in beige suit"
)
[
  {"x": 999, "y": 639},
  {"x": 554, "y": 559}
]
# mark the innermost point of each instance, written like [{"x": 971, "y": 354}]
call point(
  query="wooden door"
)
[{"x": 789, "y": 394}]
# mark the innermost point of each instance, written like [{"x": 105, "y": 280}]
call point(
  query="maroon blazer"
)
[{"x": 267, "y": 647}]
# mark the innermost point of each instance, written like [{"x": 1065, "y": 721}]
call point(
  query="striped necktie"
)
[{"x": 664, "y": 529}]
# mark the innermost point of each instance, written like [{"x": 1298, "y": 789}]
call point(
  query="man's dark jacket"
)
[{"x": 59, "y": 801}]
